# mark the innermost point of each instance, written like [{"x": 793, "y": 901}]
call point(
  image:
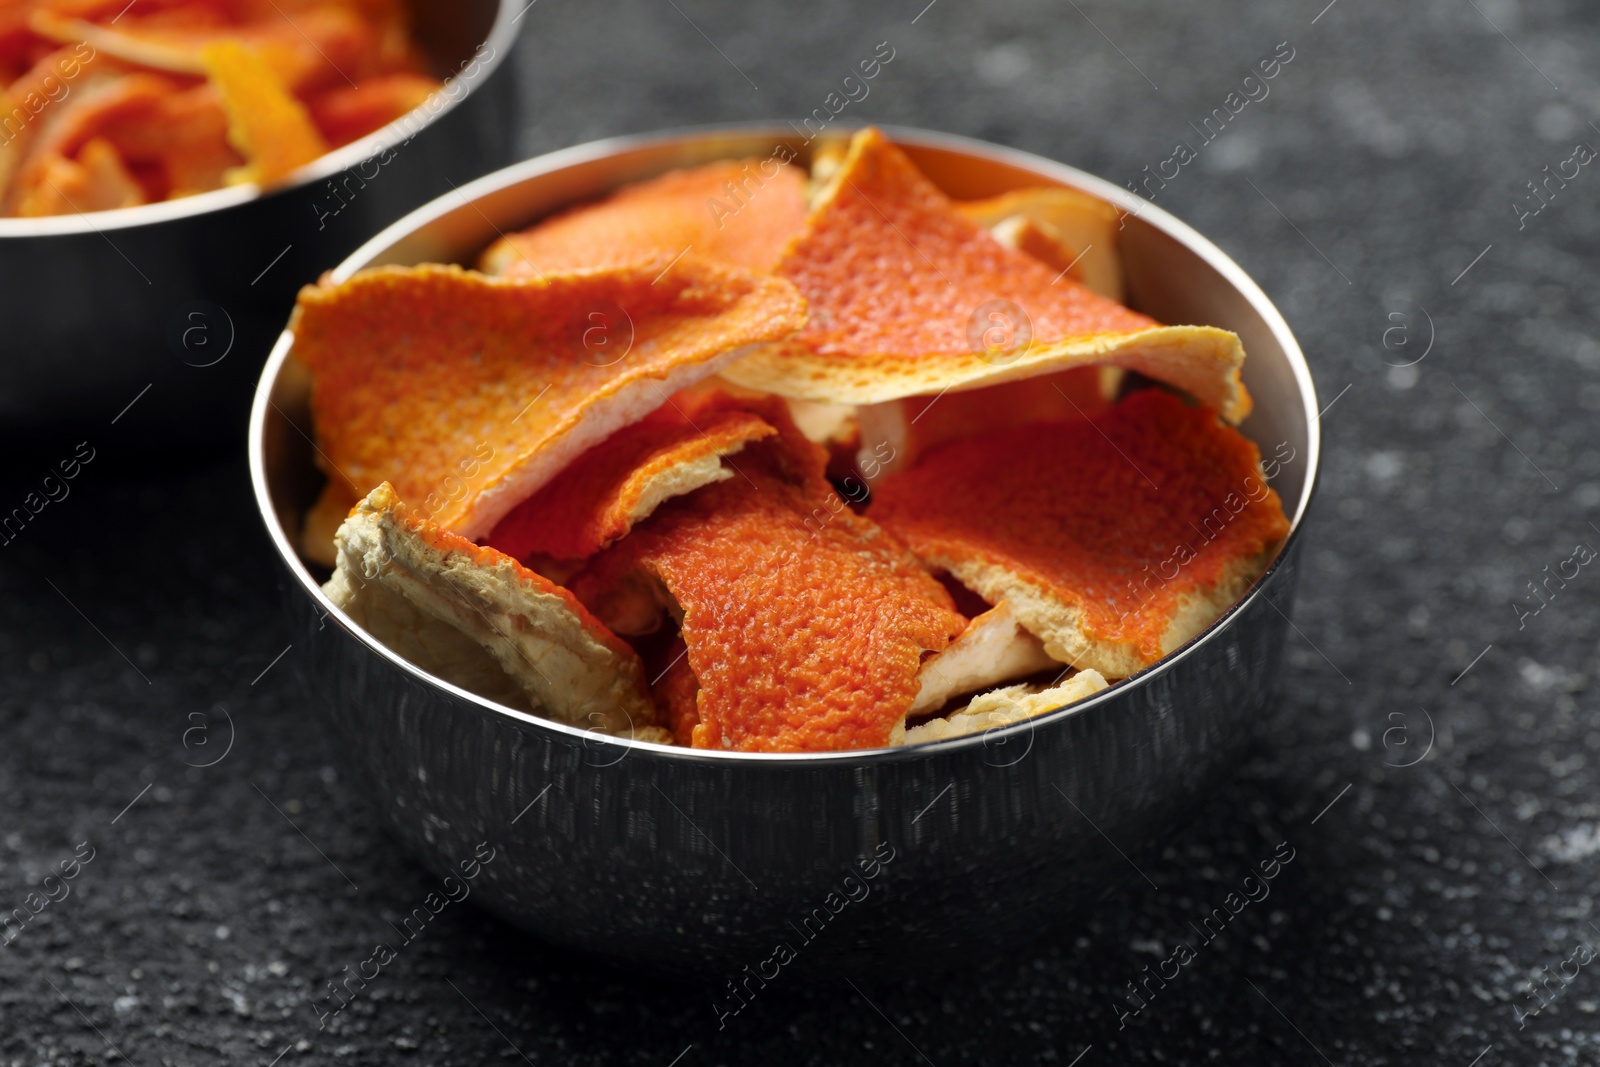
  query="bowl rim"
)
[
  {"x": 497, "y": 43},
  {"x": 592, "y": 151}
]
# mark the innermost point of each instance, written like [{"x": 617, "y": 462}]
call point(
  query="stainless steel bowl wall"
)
[
  {"x": 99, "y": 306},
  {"x": 706, "y": 862}
]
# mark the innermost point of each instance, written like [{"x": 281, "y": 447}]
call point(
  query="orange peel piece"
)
[
  {"x": 993, "y": 648},
  {"x": 805, "y": 626},
  {"x": 348, "y": 112},
  {"x": 900, "y": 431},
  {"x": 909, "y": 297},
  {"x": 41, "y": 184},
  {"x": 1002, "y": 707},
  {"x": 470, "y": 393},
  {"x": 1063, "y": 228},
  {"x": 1114, "y": 539},
  {"x": 618, "y": 483},
  {"x": 110, "y": 184},
  {"x": 740, "y": 212},
  {"x": 481, "y": 620},
  {"x": 270, "y": 128}
]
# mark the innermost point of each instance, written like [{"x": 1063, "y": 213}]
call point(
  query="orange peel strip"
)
[
  {"x": 1114, "y": 540},
  {"x": 618, "y": 483},
  {"x": 903, "y": 291},
  {"x": 477, "y": 617},
  {"x": 740, "y": 212},
  {"x": 469, "y": 393},
  {"x": 268, "y": 126},
  {"x": 806, "y": 626}
]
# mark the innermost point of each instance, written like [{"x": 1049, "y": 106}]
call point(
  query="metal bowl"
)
[
  {"x": 691, "y": 861},
  {"x": 186, "y": 297}
]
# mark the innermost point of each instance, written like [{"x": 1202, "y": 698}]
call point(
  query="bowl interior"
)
[{"x": 1173, "y": 274}]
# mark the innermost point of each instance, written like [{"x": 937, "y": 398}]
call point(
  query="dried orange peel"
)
[
  {"x": 461, "y": 611},
  {"x": 740, "y": 212},
  {"x": 909, "y": 297},
  {"x": 1114, "y": 540},
  {"x": 470, "y": 393},
  {"x": 1003, "y": 707},
  {"x": 805, "y": 627},
  {"x": 46, "y": 181},
  {"x": 189, "y": 95},
  {"x": 269, "y": 127},
  {"x": 993, "y": 648},
  {"x": 906, "y": 429},
  {"x": 618, "y": 483},
  {"x": 1066, "y": 229}
]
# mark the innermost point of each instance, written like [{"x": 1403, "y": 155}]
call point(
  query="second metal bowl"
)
[{"x": 159, "y": 316}]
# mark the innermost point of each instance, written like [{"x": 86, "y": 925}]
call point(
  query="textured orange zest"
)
[
  {"x": 448, "y": 383},
  {"x": 805, "y": 626},
  {"x": 1123, "y": 515},
  {"x": 730, "y": 211},
  {"x": 889, "y": 265},
  {"x": 593, "y": 501}
]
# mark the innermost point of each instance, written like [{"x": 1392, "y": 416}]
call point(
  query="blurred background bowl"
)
[
  {"x": 175, "y": 304},
  {"x": 675, "y": 860}
]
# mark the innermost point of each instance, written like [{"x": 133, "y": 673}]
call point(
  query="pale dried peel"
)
[
  {"x": 1083, "y": 227},
  {"x": 1058, "y": 624},
  {"x": 428, "y": 595},
  {"x": 825, "y": 424},
  {"x": 1002, "y": 707},
  {"x": 993, "y": 648},
  {"x": 1203, "y": 361},
  {"x": 438, "y": 648},
  {"x": 175, "y": 55}
]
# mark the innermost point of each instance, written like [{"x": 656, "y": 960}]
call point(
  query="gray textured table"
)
[{"x": 1374, "y": 188}]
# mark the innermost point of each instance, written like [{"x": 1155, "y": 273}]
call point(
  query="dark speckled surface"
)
[{"x": 1386, "y": 159}]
